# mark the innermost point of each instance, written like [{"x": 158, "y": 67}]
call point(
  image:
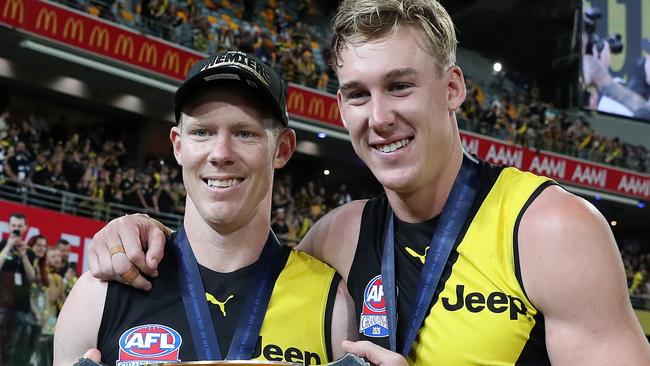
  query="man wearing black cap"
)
[{"x": 227, "y": 289}]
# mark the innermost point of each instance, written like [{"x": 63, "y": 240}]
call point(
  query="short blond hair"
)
[{"x": 359, "y": 21}]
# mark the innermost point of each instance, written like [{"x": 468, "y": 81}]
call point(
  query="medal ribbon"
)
[
  {"x": 452, "y": 218},
  {"x": 265, "y": 273}
]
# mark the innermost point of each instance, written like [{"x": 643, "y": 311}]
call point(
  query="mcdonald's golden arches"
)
[
  {"x": 148, "y": 54},
  {"x": 124, "y": 46},
  {"x": 74, "y": 29},
  {"x": 100, "y": 38},
  {"x": 14, "y": 7},
  {"x": 45, "y": 19}
]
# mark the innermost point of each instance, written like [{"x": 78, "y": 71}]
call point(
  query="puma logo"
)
[
  {"x": 222, "y": 305},
  {"x": 421, "y": 257}
]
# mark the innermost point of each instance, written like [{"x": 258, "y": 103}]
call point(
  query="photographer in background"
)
[{"x": 17, "y": 325}]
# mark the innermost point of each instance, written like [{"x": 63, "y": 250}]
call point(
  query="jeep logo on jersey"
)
[
  {"x": 374, "y": 321},
  {"x": 274, "y": 352},
  {"x": 496, "y": 302},
  {"x": 153, "y": 343}
]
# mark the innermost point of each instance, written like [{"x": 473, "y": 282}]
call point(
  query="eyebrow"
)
[{"x": 392, "y": 74}]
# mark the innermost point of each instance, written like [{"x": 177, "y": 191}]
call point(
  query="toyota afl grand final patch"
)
[
  {"x": 146, "y": 344},
  {"x": 374, "y": 321}
]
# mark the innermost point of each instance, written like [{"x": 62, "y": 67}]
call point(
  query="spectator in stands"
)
[
  {"x": 38, "y": 245},
  {"x": 279, "y": 225},
  {"x": 164, "y": 199},
  {"x": 342, "y": 196},
  {"x": 66, "y": 263},
  {"x": 58, "y": 180},
  {"x": 41, "y": 171},
  {"x": 19, "y": 166},
  {"x": 281, "y": 196},
  {"x": 113, "y": 192},
  {"x": 124, "y": 12},
  {"x": 27, "y": 134},
  {"x": 17, "y": 330},
  {"x": 47, "y": 298},
  {"x": 145, "y": 192},
  {"x": 39, "y": 299},
  {"x": 73, "y": 167},
  {"x": 307, "y": 71},
  {"x": 129, "y": 188},
  {"x": 637, "y": 287},
  {"x": 315, "y": 213}
]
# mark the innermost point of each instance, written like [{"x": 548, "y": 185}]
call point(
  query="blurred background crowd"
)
[
  {"x": 39, "y": 153},
  {"x": 37, "y": 276}
]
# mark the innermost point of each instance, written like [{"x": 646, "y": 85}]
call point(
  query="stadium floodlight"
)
[
  {"x": 100, "y": 66},
  {"x": 497, "y": 67}
]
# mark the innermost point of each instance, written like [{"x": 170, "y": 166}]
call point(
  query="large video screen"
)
[{"x": 615, "y": 75}]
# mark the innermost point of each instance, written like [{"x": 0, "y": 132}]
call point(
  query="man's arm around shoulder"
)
[
  {"x": 333, "y": 238},
  {"x": 572, "y": 272},
  {"x": 78, "y": 324}
]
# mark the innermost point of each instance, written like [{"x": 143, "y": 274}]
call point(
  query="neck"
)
[
  {"x": 226, "y": 250},
  {"x": 427, "y": 201}
]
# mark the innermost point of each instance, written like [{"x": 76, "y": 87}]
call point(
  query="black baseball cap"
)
[{"x": 234, "y": 66}]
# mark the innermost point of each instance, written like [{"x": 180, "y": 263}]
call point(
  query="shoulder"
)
[
  {"x": 333, "y": 239},
  {"x": 345, "y": 214},
  {"x": 557, "y": 218},
  {"x": 84, "y": 305},
  {"x": 566, "y": 248},
  {"x": 87, "y": 295},
  {"x": 572, "y": 271}
]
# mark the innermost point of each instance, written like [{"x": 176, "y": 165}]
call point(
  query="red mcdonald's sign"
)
[
  {"x": 321, "y": 107},
  {"x": 59, "y": 23}
]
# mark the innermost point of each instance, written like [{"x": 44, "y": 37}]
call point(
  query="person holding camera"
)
[{"x": 16, "y": 322}]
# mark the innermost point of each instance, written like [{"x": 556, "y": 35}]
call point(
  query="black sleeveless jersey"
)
[
  {"x": 139, "y": 326},
  {"x": 411, "y": 247}
]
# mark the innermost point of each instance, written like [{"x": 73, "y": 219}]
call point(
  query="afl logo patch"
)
[
  {"x": 150, "y": 343},
  {"x": 374, "y": 321}
]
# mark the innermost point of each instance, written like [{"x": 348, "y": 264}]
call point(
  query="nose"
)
[
  {"x": 222, "y": 153},
  {"x": 382, "y": 117}
]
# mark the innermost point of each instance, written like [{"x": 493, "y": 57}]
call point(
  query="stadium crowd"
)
[
  {"x": 524, "y": 120},
  {"x": 274, "y": 32},
  {"x": 32, "y": 157},
  {"x": 636, "y": 260},
  {"x": 37, "y": 276}
]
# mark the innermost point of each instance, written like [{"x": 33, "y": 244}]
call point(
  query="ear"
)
[
  {"x": 284, "y": 148},
  {"x": 339, "y": 97},
  {"x": 175, "y": 137},
  {"x": 456, "y": 88}
]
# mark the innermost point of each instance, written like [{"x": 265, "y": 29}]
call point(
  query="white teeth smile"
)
[
  {"x": 222, "y": 183},
  {"x": 388, "y": 148}
]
